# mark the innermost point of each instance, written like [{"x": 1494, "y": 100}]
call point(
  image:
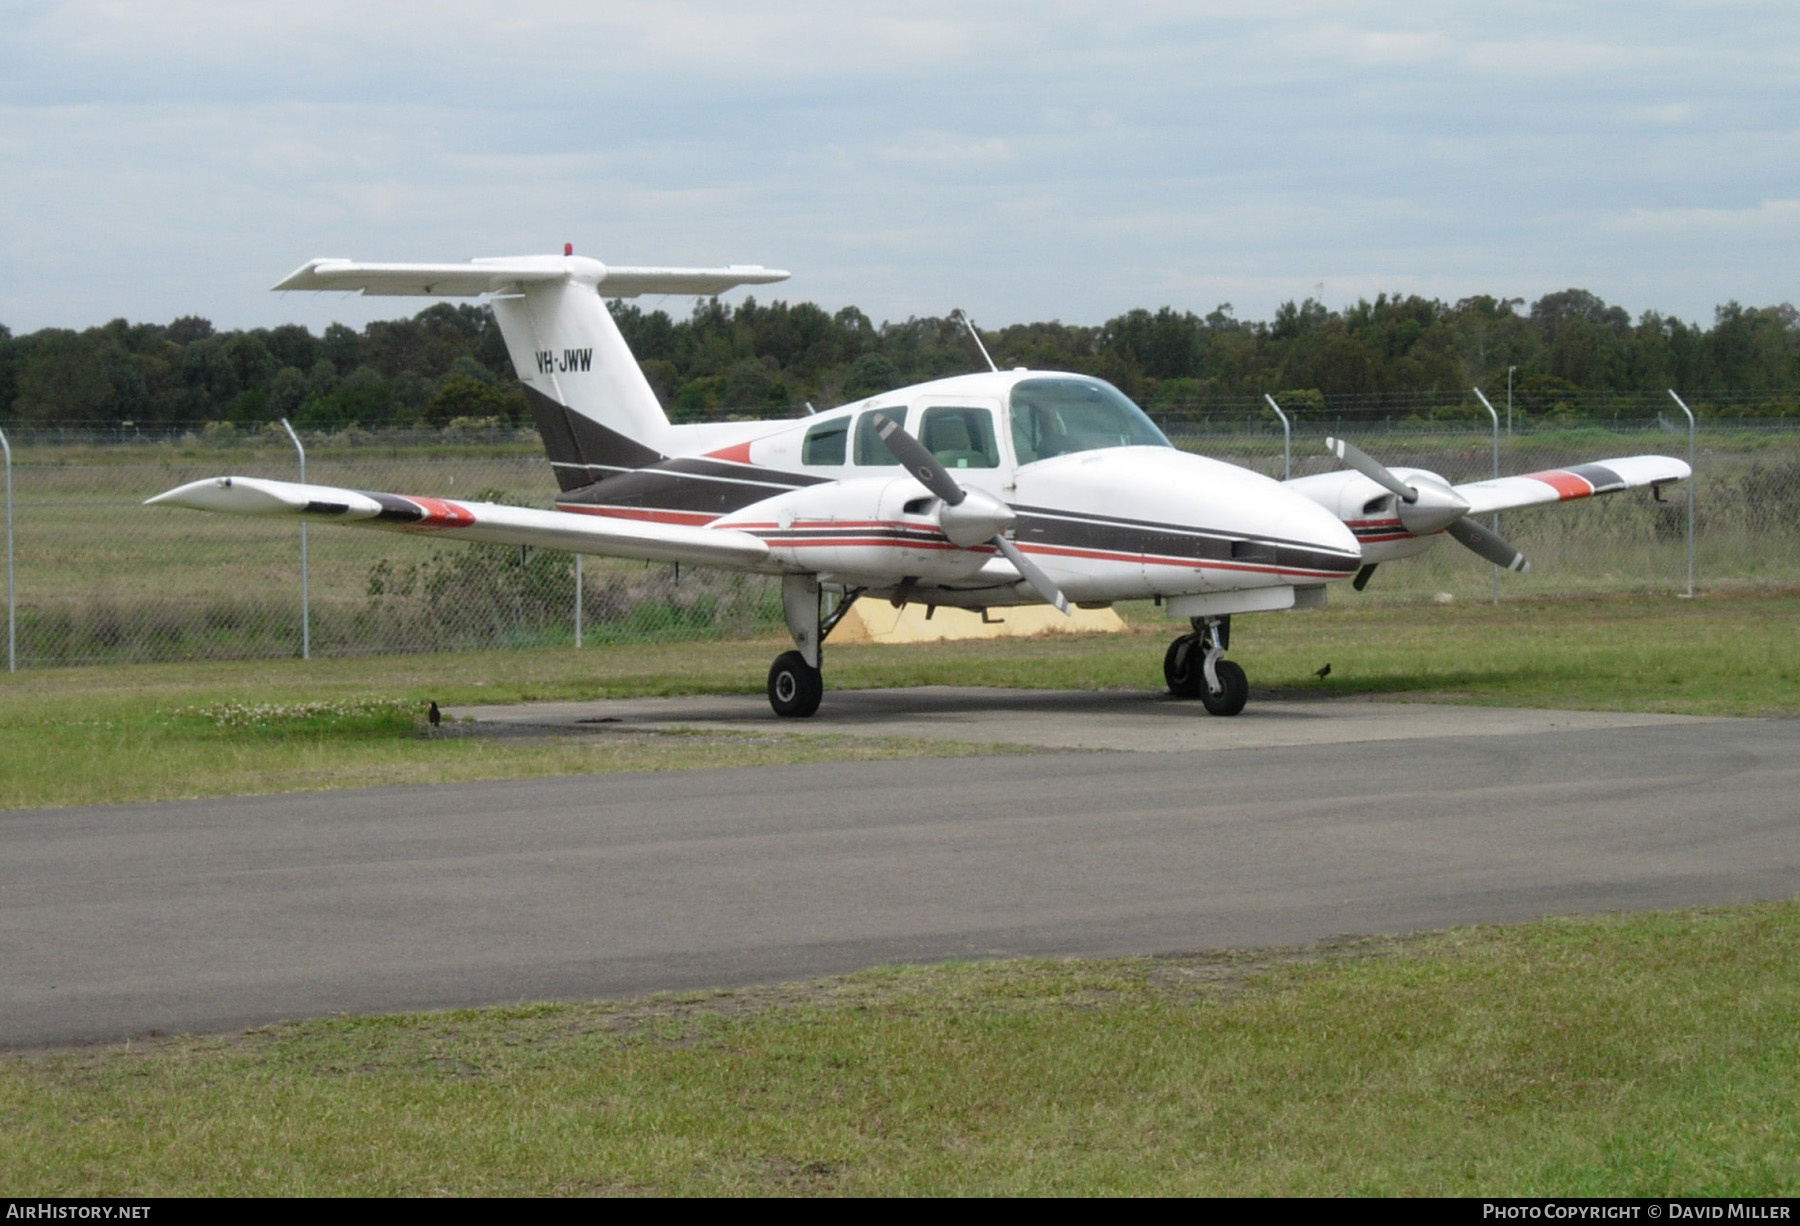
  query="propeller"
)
[
  {"x": 1428, "y": 505},
  {"x": 968, "y": 517}
]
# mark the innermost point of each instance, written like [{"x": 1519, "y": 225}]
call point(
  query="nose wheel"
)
[
  {"x": 1194, "y": 668},
  {"x": 1233, "y": 691}
]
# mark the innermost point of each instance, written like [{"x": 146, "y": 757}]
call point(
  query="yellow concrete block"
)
[{"x": 877, "y": 621}]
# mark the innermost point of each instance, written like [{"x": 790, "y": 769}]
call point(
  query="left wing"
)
[
  {"x": 1577, "y": 481},
  {"x": 486, "y": 522}
]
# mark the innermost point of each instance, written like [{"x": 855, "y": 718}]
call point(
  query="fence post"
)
[
  {"x": 1496, "y": 517},
  {"x": 305, "y": 596},
  {"x": 1287, "y": 439},
  {"x": 578, "y": 602},
  {"x": 12, "y": 644},
  {"x": 1690, "y": 492}
]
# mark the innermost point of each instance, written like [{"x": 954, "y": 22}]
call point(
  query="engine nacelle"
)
[{"x": 864, "y": 531}]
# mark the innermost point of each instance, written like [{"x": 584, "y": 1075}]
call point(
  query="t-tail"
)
[{"x": 595, "y": 410}]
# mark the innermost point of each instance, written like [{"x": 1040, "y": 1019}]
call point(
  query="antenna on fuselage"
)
[{"x": 970, "y": 325}]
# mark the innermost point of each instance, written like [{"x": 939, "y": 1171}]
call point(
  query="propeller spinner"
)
[{"x": 1428, "y": 505}]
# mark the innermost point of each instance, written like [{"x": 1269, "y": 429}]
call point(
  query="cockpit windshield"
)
[{"x": 1052, "y": 417}]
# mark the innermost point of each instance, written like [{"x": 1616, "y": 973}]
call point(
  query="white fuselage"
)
[{"x": 1109, "y": 516}]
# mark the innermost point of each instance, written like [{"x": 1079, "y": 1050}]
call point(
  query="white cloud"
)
[
  {"x": 945, "y": 150},
  {"x": 1349, "y": 44},
  {"x": 1764, "y": 220},
  {"x": 1569, "y": 57},
  {"x": 1668, "y": 114}
]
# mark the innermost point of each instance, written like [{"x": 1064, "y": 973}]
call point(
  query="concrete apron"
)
[{"x": 1061, "y": 719}]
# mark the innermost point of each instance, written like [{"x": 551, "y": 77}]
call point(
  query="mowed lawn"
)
[{"x": 1648, "y": 1055}]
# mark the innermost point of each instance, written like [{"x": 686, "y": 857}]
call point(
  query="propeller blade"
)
[
  {"x": 1039, "y": 581},
  {"x": 1363, "y": 576},
  {"x": 1371, "y": 468},
  {"x": 920, "y": 462},
  {"x": 1488, "y": 543}
]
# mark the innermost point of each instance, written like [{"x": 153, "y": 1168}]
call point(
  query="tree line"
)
[{"x": 448, "y": 362}]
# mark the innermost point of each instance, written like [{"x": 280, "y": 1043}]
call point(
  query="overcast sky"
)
[{"x": 1024, "y": 161}]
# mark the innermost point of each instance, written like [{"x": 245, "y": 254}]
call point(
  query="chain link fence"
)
[{"x": 98, "y": 577}]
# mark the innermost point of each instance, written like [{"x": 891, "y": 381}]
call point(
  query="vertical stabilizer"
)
[{"x": 591, "y": 402}]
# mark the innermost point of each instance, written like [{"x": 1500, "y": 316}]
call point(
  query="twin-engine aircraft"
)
[{"x": 977, "y": 492}]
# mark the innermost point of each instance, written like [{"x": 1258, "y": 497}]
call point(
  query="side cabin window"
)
[
  {"x": 960, "y": 437},
  {"x": 1052, "y": 417},
  {"x": 869, "y": 447},
  {"x": 824, "y": 443}
]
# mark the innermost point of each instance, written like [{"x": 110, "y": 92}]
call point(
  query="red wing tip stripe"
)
[
  {"x": 441, "y": 514},
  {"x": 1566, "y": 484}
]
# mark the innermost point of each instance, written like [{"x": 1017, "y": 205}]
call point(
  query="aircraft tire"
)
[
  {"x": 1184, "y": 677},
  {"x": 1234, "y": 692},
  {"x": 795, "y": 687}
]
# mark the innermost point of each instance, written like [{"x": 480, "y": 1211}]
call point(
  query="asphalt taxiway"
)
[{"x": 1140, "y": 825}]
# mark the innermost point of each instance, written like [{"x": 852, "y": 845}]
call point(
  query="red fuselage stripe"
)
[
  {"x": 873, "y": 542},
  {"x": 1189, "y": 563},
  {"x": 912, "y": 542}
]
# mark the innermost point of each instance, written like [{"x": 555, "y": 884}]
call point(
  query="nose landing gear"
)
[{"x": 1194, "y": 668}]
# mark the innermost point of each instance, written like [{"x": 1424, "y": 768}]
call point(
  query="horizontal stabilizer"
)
[
  {"x": 513, "y": 273},
  {"x": 484, "y": 522},
  {"x": 1576, "y": 481}
]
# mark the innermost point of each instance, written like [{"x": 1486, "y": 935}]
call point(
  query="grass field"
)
[
  {"x": 151, "y": 732},
  {"x": 1649, "y": 1055}
]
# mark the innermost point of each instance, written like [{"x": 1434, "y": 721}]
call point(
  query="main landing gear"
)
[
  {"x": 1194, "y": 668},
  {"x": 795, "y": 687},
  {"x": 796, "y": 684}
]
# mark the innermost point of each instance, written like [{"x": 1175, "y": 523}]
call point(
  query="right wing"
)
[
  {"x": 1576, "y": 481},
  {"x": 486, "y": 522}
]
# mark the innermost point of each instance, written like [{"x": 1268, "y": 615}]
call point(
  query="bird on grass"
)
[
  {"x": 1322, "y": 673},
  {"x": 434, "y": 716}
]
